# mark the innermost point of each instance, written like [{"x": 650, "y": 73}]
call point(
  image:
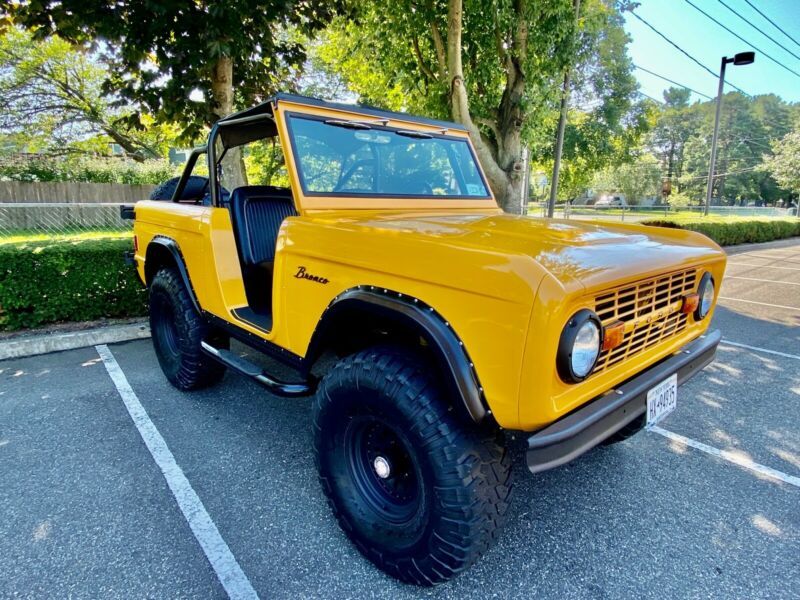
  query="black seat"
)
[{"x": 257, "y": 212}]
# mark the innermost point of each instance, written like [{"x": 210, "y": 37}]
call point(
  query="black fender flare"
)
[
  {"x": 171, "y": 246},
  {"x": 437, "y": 331}
]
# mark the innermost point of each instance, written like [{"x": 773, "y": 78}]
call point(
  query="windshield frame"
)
[
  {"x": 374, "y": 126},
  {"x": 310, "y": 200}
]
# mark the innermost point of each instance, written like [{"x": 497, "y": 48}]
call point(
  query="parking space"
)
[{"x": 85, "y": 510}]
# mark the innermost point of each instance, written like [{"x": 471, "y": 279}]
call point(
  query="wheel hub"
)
[{"x": 382, "y": 467}]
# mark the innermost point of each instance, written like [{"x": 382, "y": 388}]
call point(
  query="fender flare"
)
[
  {"x": 171, "y": 246},
  {"x": 437, "y": 331}
]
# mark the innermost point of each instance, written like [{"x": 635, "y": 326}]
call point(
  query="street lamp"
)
[{"x": 742, "y": 58}]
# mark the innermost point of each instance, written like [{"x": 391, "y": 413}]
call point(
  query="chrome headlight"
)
[
  {"x": 579, "y": 346},
  {"x": 706, "y": 293}
]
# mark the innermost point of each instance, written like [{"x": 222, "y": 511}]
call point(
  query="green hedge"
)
[
  {"x": 47, "y": 282},
  {"x": 732, "y": 232},
  {"x": 92, "y": 170}
]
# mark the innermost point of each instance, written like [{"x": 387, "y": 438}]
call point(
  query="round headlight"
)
[
  {"x": 579, "y": 346},
  {"x": 706, "y": 292}
]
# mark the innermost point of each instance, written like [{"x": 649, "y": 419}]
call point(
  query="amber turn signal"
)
[
  {"x": 612, "y": 335},
  {"x": 690, "y": 303}
]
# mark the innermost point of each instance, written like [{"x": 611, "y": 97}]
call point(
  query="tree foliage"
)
[
  {"x": 496, "y": 67},
  {"x": 637, "y": 180},
  {"x": 235, "y": 53},
  {"x": 52, "y": 101},
  {"x": 784, "y": 164},
  {"x": 748, "y": 130}
]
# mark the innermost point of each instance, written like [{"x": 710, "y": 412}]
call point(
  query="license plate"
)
[{"x": 662, "y": 400}]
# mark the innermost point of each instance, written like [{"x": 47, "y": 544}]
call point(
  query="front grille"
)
[{"x": 650, "y": 309}]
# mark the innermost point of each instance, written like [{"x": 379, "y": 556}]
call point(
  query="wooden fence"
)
[
  {"x": 48, "y": 192},
  {"x": 58, "y": 208}
]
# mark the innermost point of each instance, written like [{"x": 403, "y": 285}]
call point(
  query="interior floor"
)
[{"x": 257, "y": 213}]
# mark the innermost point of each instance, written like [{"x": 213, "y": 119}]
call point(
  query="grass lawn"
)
[{"x": 14, "y": 237}]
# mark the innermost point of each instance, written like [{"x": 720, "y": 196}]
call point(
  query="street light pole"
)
[{"x": 742, "y": 58}]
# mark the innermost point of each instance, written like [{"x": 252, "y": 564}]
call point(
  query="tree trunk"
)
[
  {"x": 501, "y": 163},
  {"x": 222, "y": 92}
]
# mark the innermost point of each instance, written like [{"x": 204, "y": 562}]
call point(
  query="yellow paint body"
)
[{"x": 506, "y": 284}]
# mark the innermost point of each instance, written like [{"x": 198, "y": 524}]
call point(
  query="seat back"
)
[{"x": 257, "y": 212}]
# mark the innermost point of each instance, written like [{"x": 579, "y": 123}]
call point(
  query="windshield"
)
[{"x": 354, "y": 158}]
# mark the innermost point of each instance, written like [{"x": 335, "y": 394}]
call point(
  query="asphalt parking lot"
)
[{"x": 86, "y": 511}]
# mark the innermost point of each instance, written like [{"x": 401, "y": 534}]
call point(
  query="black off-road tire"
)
[
  {"x": 196, "y": 187},
  {"x": 445, "y": 499},
  {"x": 177, "y": 331},
  {"x": 626, "y": 432}
]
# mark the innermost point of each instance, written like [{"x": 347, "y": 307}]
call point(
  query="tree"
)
[
  {"x": 744, "y": 142},
  {"x": 682, "y": 135},
  {"x": 51, "y": 99},
  {"x": 494, "y": 67},
  {"x": 162, "y": 51},
  {"x": 636, "y": 180},
  {"x": 676, "y": 122},
  {"x": 784, "y": 164}
]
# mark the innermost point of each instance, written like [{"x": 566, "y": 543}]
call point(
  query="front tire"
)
[
  {"x": 177, "y": 331},
  {"x": 420, "y": 493}
]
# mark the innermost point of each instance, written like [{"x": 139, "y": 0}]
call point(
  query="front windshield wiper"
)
[
  {"x": 355, "y": 124},
  {"x": 414, "y": 134}
]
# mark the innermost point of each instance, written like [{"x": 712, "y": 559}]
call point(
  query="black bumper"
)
[{"x": 585, "y": 428}]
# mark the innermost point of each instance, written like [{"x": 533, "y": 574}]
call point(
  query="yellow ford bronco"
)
[{"x": 423, "y": 321}]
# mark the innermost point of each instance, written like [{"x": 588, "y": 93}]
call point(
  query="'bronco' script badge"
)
[{"x": 303, "y": 274}]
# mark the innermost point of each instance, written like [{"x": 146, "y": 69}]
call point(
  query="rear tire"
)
[
  {"x": 177, "y": 331},
  {"x": 420, "y": 493}
]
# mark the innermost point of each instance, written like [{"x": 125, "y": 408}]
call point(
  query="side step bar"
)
[{"x": 245, "y": 367}]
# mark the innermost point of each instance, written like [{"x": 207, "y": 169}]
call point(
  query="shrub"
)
[
  {"x": 51, "y": 281},
  {"x": 88, "y": 169},
  {"x": 728, "y": 232}
]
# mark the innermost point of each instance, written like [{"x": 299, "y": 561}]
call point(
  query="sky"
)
[{"x": 708, "y": 42}]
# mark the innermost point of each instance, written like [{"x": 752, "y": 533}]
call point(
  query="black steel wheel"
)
[
  {"x": 177, "y": 331},
  {"x": 383, "y": 469},
  {"x": 419, "y": 491}
]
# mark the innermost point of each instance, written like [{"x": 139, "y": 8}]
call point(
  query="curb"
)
[
  {"x": 42, "y": 344},
  {"x": 790, "y": 242}
]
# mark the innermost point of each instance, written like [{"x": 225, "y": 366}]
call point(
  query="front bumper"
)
[{"x": 585, "y": 428}]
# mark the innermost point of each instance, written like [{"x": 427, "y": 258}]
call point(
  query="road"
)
[{"x": 86, "y": 511}]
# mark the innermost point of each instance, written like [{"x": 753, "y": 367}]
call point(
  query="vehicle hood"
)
[{"x": 591, "y": 255}]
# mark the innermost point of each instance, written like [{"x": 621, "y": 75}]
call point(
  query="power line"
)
[
  {"x": 778, "y": 27},
  {"x": 686, "y": 87},
  {"x": 732, "y": 32},
  {"x": 656, "y": 100},
  {"x": 761, "y": 31},
  {"x": 687, "y": 55}
]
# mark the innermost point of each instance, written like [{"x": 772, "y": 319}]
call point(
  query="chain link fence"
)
[
  {"x": 19, "y": 220},
  {"x": 641, "y": 213}
]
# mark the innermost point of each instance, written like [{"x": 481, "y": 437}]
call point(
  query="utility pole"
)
[
  {"x": 562, "y": 123},
  {"x": 742, "y": 58}
]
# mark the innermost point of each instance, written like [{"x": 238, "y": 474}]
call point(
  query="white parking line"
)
[
  {"x": 757, "y": 349},
  {"x": 729, "y": 456},
  {"x": 762, "y": 280},
  {"x": 763, "y": 266},
  {"x": 227, "y": 569},
  {"x": 790, "y": 258},
  {"x": 760, "y": 303}
]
